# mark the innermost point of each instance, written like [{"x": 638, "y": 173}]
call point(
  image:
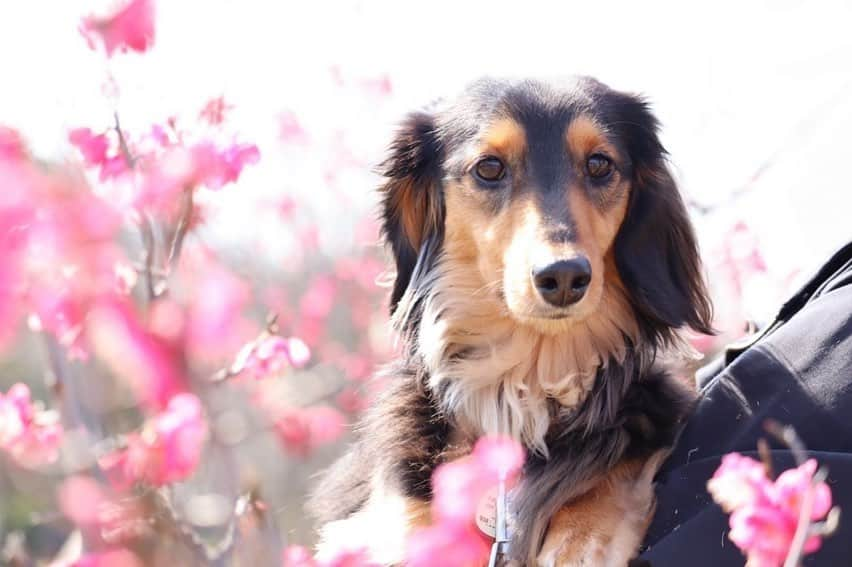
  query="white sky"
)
[{"x": 736, "y": 85}]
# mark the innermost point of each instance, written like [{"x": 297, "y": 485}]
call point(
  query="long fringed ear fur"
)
[
  {"x": 656, "y": 251},
  {"x": 412, "y": 198}
]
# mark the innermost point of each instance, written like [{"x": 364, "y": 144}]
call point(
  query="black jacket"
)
[{"x": 799, "y": 372}]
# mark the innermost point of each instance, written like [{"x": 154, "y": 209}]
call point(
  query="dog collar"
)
[{"x": 493, "y": 520}]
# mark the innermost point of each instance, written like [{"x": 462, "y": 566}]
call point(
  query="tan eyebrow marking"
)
[
  {"x": 507, "y": 138},
  {"x": 583, "y": 136}
]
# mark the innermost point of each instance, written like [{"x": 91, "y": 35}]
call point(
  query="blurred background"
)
[{"x": 755, "y": 101}]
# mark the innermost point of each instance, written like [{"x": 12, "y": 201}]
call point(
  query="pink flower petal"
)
[
  {"x": 93, "y": 147},
  {"x": 450, "y": 545},
  {"x": 129, "y": 28}
]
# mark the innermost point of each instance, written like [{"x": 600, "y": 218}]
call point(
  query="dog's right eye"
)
[{"x": 489, "y": 169}]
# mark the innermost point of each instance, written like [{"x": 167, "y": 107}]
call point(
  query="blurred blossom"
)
[
  {"x": 129, "y": 28},
  {"x": 318, "y": 300},
  {"x": 765, "y": 513},
  {"x": 290, "y": 130},
  {"x": 112, "y": 558},
  {"x": 80, "y": 499},
  {"x": 459, "y": 487},
  {"x": 272, "y": 355},
  {"x": 214, "y": 111},
  {"x": 100, "y": 151},
  {"x": 498, "y": 457},
  {"x": 351, "y": 401},
  {"x": 298, "y": 556},
  {"x": 93, "y": 147},
  {"x": 378, "y": 87},
  {"x": 302, "y": 430},
  {"x": 738, "y": 481},
  {"x": 215, "y": 309},
  {"x": 30, "y": 436},
  {"x": 217, "y": 167},
  {"x": 176, "y": 169},
  {"x": 456, "y": 546},
  {"x": 167, "y": 450},
  {"x": 147, "y": 360},
  {"x": 12, "y": 145}
]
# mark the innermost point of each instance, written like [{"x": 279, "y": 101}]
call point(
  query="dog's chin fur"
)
[{"x": 496, "y": 375}]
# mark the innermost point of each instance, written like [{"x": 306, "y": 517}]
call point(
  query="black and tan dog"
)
[{"x": 544, "y": 263}]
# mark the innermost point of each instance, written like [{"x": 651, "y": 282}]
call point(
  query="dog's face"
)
[
  {"x": 545, "y": 195},
  {"x": 533, "y": 201}
]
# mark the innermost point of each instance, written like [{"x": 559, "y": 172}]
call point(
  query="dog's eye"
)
[
  {"x": 489, "y": 169},
  {"x": 599, "y": 166}
]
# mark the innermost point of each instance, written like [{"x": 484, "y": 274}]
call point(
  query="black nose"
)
[{"x": 564, "y": 282}]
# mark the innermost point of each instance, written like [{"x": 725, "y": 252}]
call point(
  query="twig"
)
[
  {"x": 765, "y": 457},
  {"x": 804, "y": 528},
  {"x": 787, "y": 435},
  {"x": 122, "y": 143},
  {"x": 184, "y": 220},
  {"x": 237, "y": 365},
  {"x": 146, "y": 227},
  {"x": 794, "y": 556}
]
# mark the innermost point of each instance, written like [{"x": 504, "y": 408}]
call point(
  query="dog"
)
[{"x": 545, "y": 263}]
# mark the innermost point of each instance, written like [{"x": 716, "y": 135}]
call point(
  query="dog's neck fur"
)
[{"x": 493, "y": 375}]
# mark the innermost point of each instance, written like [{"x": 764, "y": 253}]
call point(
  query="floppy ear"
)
[
  {"x": 656, "y": 251},
  {"x": 412, "y": 199}
]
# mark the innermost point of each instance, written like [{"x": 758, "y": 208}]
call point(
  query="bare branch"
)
[
  {"x": 787, "y": 435},
  {"x": 184, "y": 220}
]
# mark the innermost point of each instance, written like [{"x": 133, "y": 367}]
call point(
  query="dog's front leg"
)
[{"x": 605, "y": 526}]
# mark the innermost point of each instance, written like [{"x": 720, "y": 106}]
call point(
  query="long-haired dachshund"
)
[{"x": 544, "y": 262}]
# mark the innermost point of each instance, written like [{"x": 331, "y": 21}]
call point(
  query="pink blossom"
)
[
  {"x": 30, "y": 436},
  {"x": 318, "y": 300},
  {"x": 450, "y": 545},
  {"x": 272, "y": 355},
  {"x": 791, "y": 485},
  {"x": 351, "y": 401},
  {"x": 112, "y": 558},
  {"x": 286, "y": 207},
  {"x": 350, "y": 558},
  {"x": 12, "y": 145},
  {"x": 216, "y": 167},
  {"x": 214, "y": 111},
  {"x": 147, "y": 360},
  {"x": 302, "y": 430},
  {"x": 298, "y": 556},
  {"x": 764, "y": 514},
  {"x": 739, "y": 480},
  {"x": 498, "y": 457},
  {"x": 131, "y": 27},
  {"x": 218, "y": 300},
  {"x": 379, "y": 86},
  {"x": 167, "y": 450},
  {"x": 181, "y": 168},
  {"x": 80, "y": 499},
  {"x": 290, "y": 130},
  {"x": 12, "y": 222},
  {"x": 181, "y": 430},
  {"x": 459, "y": 487},
  {"x": 93, "y": 147}
]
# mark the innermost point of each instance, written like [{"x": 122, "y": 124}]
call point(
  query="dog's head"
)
[{"x": 543, "y": 197}]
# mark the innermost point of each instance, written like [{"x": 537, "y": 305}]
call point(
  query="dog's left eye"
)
[
  {"x": 489, "y": 169},
  {"x": 599, "y": 166}
]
